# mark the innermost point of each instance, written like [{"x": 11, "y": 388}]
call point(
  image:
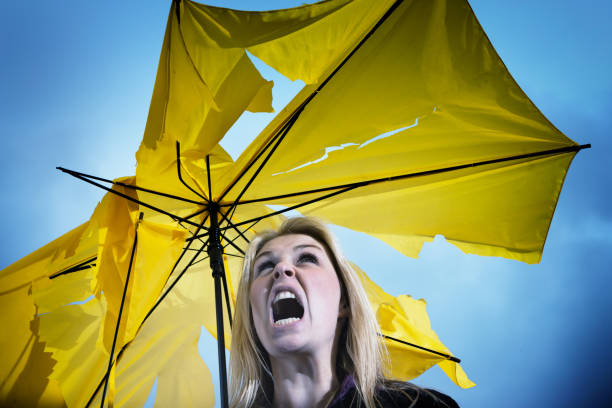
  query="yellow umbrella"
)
[{"x": 409, "y": 126}]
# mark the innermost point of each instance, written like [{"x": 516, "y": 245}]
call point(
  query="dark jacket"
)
[{"x": 393, "y": 395}]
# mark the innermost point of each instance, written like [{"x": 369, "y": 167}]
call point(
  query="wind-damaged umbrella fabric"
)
[
  {"x": 425, "y": 92},
  {"x": 409, "y": 92},
  {"x": 405, "y": 318},
  {"x": 76, "y": 313},
  {"x": 304, "y": 43},
  {"x": 205, "y": 79},
  {"x": 25, "y": 366}
]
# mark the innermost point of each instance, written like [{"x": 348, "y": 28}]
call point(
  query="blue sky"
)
[{"x": 76, "y": 81}]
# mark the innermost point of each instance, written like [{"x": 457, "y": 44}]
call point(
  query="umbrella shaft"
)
[{"x": 215, "y": 253}]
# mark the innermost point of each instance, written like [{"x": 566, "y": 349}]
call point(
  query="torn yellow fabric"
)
[
  {"x": 26, "y": 364},
  {"x": 71, "y": 334},
  {"x": 425, "y": 92},
  {"x": 421, "y": 100},
  {"x": 406, "y": 319},
  {"x": 166, "y": 349}
]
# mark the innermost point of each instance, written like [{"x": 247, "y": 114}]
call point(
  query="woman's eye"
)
[
  {"x": 263, "y": 267},
  {"x": 309, "y": 258}
]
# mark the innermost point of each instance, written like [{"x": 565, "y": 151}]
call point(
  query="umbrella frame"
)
[{"x": 217, "y": 215}]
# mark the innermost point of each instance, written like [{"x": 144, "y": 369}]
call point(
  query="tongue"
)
[{"x": 286, "y": 308}]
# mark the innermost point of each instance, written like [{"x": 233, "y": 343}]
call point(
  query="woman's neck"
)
[{"x": 303, "y": 380}]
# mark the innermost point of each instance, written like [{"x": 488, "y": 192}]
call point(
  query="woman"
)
[{"x": 304, "y": 334}]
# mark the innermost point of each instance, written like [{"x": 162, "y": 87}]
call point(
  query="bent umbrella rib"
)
[
  {"x": 295, "y": 114},
  {"x": 178, "y": 171},
  {"x": 125, "y": 288},
  {"x": 88, "y": 263},
  {"x": 127, "y": 197},
  {"x": 118, "y": 183},
  {"x": 447, "y": 356},
  {"x": 562, "y": 150}
]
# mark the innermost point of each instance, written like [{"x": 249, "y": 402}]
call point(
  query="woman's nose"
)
[{"x": 283, "y": 269}]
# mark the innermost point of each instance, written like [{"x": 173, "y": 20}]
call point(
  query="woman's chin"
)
[{"x": 287, "y": 342}]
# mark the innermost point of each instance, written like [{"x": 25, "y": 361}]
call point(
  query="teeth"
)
[
  {"x": 285, "y": 294},
  {"x": 284, "y": 322}
]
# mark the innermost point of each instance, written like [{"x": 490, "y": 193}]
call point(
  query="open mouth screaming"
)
[{"x": 286, "y": 308}]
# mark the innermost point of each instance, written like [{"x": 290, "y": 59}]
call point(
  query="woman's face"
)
[{"x": 295, "y": 296}]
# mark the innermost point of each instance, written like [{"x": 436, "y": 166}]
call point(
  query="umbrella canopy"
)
[{"x": 376, "y": 141}]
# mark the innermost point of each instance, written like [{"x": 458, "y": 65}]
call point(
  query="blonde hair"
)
[{"x": 250, "y": 376}]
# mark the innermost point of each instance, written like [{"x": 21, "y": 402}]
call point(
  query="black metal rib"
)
[
  {"x": 197, "y": 230},
  {"x": 199, "y": 260},
  {"x": 257, "y": 219},
  {"x": 285, "y": 128},
  {"x": 105, "y": 376},
  {"x": 208, "y": 176},
  {"x": 178, "y": 171},
  {"x": 151, "y": 310},
  {"x": 252, "y": 162},
  {"x": 252, "y": 225},
  {"x": 208, "y": 173},
  {"x": 234, "y": 255},
  {"x": 102, "y": 381},
  {"x": 351, "y": 186},
  {"x": 188, "y": 245},
  {"x": 78, "y": 267},
  {"x": 127, "y": 281},
  {"x": 196, "y": 213},
  {"x": 446, "y": 356},
  {"x": 227, "y": 299},
  {"x": 416, "y": 174},
  {"x": 163, "y": 296},
  {"x": 231, "y": 242},
  {"x": 119, "y": 183},
  {"x": 261, "y": 166},
  {"x": 231, "y": 224},
  {"x": 297, "y": 206},
  {"x": 127, "y": 197}
]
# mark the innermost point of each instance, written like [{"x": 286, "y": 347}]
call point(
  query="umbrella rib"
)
[
  {"x": 263, "y": 163},
  {"x": 252, "y": 162},
  {"x": 196, "y": 213},
  {"x": 86, "y": 264},
  {"x": 127, "y": 281},
  {"x": 252, "y": 225},
  {"x": 231, "y": 224},
  {"x": 294, "y": 116},
  {"x": 447, "y": 356},
  {"x": 197, "y": 230},
  {"x": 110, "y": 190},
  {"x": 227, "y": 299},
  {"x": 163, "y": 296},
  {"x": 178, "y": 171},
  {"x": 561, "y": 150},
  {"x": 199, "y": 260},
  {"x": 226, "y": 218},
  {"x": 231, "y": 242},
  {"x": 156, "y": 304},
  {"x": 208, "y": 176},
  {"x": 288, "y": 126},
  {"x": 234, "y": 255},
  {"x": 119, "y": 183},
  {"x": 293, "y": 207}
]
